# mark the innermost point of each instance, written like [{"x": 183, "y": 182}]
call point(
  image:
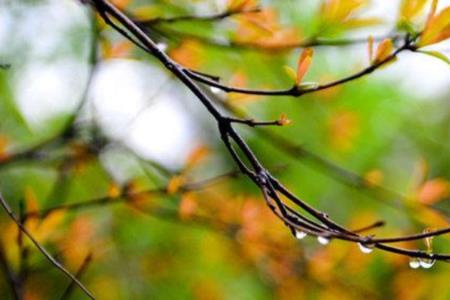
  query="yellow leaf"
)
[
  {"x": 304, "y": 63},
  {"x": 175, "y": 183},
  {"x": 410, "y": 9},
  {"x": 49, "y": 225},
  {"x": 432, "y": 11},
  {"x": 374, "y": 177},
  {"x": 385, "y": 48},
  {"x": 291, "y": 73},
  {"x": 434, "y": 191},
  {"x": 146, "y": 12},
  {"x": 114, "y": 190},
  {"x": 437, "y": 29},
  {"x": 428, "y": 241},
  {"x": 283, "y": 120},
  {"x": 241, "y": 5},
  {"x": 370, "y": 48},
  {"x": 336, "y": 11},
  {"x": 362, "y": 22}
]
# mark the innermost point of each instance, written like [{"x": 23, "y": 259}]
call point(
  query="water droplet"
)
[
  {"x": 215, "y": 90},
  {"x": 300, "y": 234},
  {"x": 309, "y": 85},
  {"x": 365, "y": 248},
  {"x": 426, "y": 263},
  {"x": 414, "y": 263},
  {"x": 162, "y": 46},
  {"x": 323, "y": 240}
]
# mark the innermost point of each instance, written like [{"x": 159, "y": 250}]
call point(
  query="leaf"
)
[
  {"x": 290, "y": 72},
  {"x": 147, "y": 12},
  {"x": 196, "y": 156},
  {"x": 175, "y": 183},
  {"x": 4, "y": 143},
  {"x": 385, "y": 48},
  {"x": 241, "y": 5},
  {"x": 362, "y": 22},
  {"x": 283, "y": 120},
  {"x": 437, "y": 55},
  {"x": 434, "y": 191},
  {"x": 410, "y": 9},
  {"x": 428, "y": 241},
  {"x": 8, "y": 103},
  {"x": 304, "y": 63},
  {"x": 370, "y": 48},
  {"x": 338, "y": 15},
  {"x": 114, "y": 190},
  {"x": 188, "y": 206},
  {"x": 374, "y": 177},
  {"x": 189, "y": 54},
  {"x": 121, "y": 4},
  {"x": 437, "y": 29},
  {"x": 338, "y": 10},
  {"x": 118, "y": 50},
  {"x": 344, "y": 128}
]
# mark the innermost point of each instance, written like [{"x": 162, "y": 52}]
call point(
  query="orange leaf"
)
[
  {"x": 196, "y": 156},
  {"x": 114, "y": 190},
  {"x": 175, "y": 183},
  {"x": 121, "y": 4},
  {"x": 188, "y": 54},
  {"x": 385, "y": 48},
  {"x": 304, "y": 63},
  {"x": 437, "y": 29},
  {"x": 4, "y": 142},
  {"x": 118, "y": 50},
  {"x": 241, "y": 5},
  {"x": 434, "y": 191},
  {"x": 188, "y": 206},
  {"x": 343, "y": 129}
]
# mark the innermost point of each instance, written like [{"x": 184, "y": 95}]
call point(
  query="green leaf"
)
[
  {"x": 436, "y": 54},
  {"x": 9, "y": 106}
]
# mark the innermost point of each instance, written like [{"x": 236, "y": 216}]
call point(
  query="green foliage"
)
[{"x": 363, "y": 151}]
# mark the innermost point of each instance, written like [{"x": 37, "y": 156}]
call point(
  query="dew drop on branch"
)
[
  {"x": 323, "y": 240},
  {"x": 300, "y": 234},
  {"x": 426, "y": 263},
  {"x": 365, "y": 248},
  {"x": 414, "y": 263},
  {"x": 162, "y": 46},
  {"x": 215, "y": 90}
]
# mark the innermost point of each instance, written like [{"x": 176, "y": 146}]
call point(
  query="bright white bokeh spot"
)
[
  {"x": 137, "y": 104},
  {"x": 45, "y": 90}
]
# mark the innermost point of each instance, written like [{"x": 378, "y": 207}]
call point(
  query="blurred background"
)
[{"x": 150, "y": 204}]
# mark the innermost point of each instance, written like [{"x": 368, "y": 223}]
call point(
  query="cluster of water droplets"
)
[
  {"x": 414, "y": 263},
  {"x": 425, "y": 263}
]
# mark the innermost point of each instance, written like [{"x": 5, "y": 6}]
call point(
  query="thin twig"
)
[{"x": 41, "y": 249}]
